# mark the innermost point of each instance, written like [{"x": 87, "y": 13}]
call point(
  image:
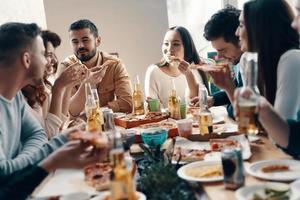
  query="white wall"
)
[
  {"x": 193, "y": 15},
  {"x": 133, "y": 28},
  {"x": 26, "y": 11}
]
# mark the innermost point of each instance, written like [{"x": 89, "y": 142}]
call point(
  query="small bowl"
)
[
  {"x": 154, "y": 136},
  {"x": 128, "y": 138}
]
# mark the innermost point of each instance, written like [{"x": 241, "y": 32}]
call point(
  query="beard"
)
[
  {"x": 86, "y": 57},
  {"x": 37, "y": 82},
  {"x": 36, "y": 73}
]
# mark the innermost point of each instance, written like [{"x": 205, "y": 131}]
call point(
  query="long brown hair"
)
[
  {"x": 190, "y": 53},
  {"x": 268, "y": 24},
  {"x": 34, "y": 94}
]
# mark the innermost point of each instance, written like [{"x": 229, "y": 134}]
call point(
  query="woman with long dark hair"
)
[
  {"x": 265, "y": 28},
  {"x": 179, "y": 52}
]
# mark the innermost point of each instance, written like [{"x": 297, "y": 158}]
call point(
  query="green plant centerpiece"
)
[{"x": 158, "y": 176}]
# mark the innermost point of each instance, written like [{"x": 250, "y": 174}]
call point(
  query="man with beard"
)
[{"x": 103, "y": 70}]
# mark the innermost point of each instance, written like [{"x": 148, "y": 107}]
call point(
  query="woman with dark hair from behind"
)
[
  {"x": 47, "y": 100},
  {"x": 179, "y": 52},
  {"x": 265, "y": 28}
]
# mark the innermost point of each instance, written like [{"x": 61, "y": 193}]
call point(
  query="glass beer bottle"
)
[
  {"x": 97, "y": 100},
  {"x": 122, "y": 186},
  {"x": 138, "y": 99},
  {"x": 205, "y": 116},
  {"x": 93, "y": 123},
  {"x": 174, "y": 103},
  {"x": 249, "y": 96}
]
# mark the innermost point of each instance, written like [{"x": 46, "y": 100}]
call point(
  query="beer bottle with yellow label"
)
[
  {"x": 93, "y": 123},
  {"x": 138, "y": 99},
  {"x": 174, "y": 103},
  {"x": 122, "y": 186},
  {"x": 99, "y": 111}
]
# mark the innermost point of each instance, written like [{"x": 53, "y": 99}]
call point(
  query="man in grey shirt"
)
[
  {"x": 22, "y": 61},
  {"x": 26, "y": 157}
]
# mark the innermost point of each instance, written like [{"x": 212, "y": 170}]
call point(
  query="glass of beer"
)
[{"x": 248, "y": 96}]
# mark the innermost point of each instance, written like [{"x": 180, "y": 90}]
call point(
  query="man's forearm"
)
[{"x": 31, "y": 154}]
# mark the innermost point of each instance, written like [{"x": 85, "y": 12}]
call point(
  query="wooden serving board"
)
[{"x": 207, "y": 137}]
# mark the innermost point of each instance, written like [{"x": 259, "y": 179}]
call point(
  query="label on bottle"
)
[{"x": 138, "y": 103}]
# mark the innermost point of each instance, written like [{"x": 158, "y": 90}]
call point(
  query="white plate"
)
[
  {"x": 294, "y": 173},
  {"x": 105, "y": 194},
  {"x": 247, "y": 192},
  {"x": 213, "y": 156},
  {"x": 181, "y": 171}
]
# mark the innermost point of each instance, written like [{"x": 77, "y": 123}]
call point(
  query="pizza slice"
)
[
  {"x": 221, "y": 144},
  {"x": 189, "y": 155},
  {"x": 98, "y": 175}
]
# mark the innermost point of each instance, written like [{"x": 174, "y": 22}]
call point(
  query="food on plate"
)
[
  {"x": 163, "y": 124},
  {"x": 273, "y": 192},
  {"x": 95, "y": 139},
  {"x": 189, "y": 155},
  {"x": 148, "y": 116},
  {"x": 131, "y": 120},
  {"x": 221, "y": 144},
  {"x": 206, "y": 171},
  {"x": 275, "y": 168},
  {"x": 98, "y": 175}
]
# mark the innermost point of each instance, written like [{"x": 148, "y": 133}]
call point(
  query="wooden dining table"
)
[{"x": 261, "y": 149}]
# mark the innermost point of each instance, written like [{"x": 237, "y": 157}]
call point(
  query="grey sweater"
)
[{"x": 22, "y": 139}]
